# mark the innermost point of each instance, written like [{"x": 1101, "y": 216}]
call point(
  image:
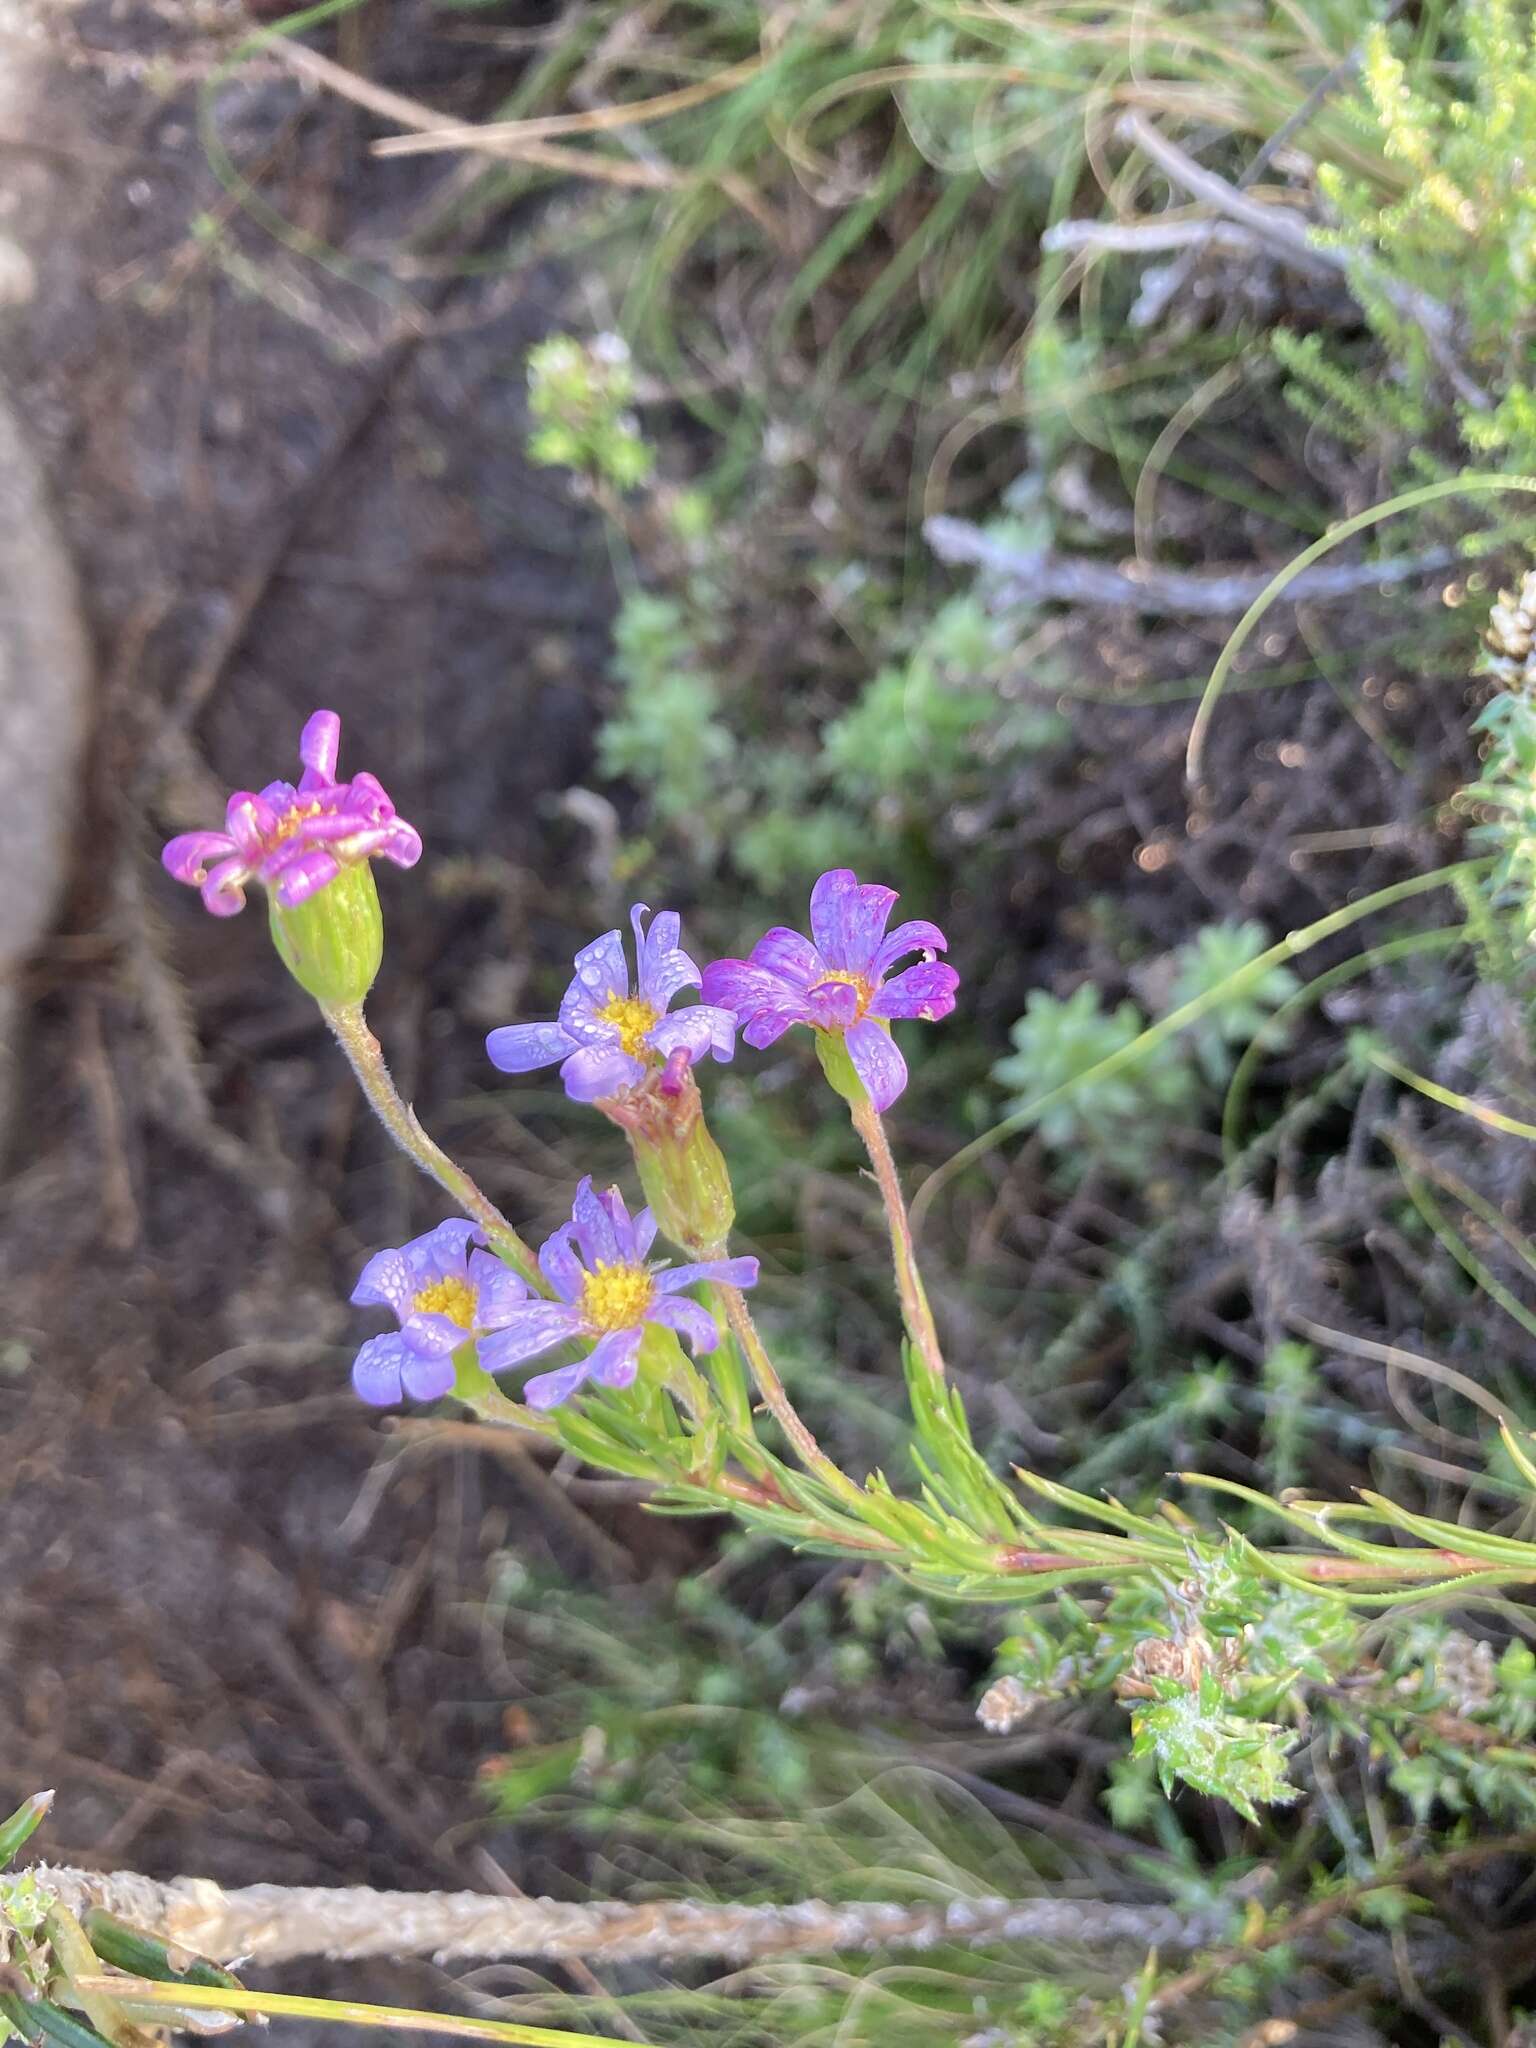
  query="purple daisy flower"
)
[
  {"x": 294, "y": 838},
  {"x": 836, "y": 979},
  {"x": 444, "y": 1295},
  {"x": 607, "y": 1293},
  {"x": 608, "y": 1039}
]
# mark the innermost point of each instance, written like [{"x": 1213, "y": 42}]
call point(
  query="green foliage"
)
[
  {"x": 920, "y": 724},
  {"x": 1463, "y": 226},
  {"x": 580, "y": 394},
  {"x": 45, "y": 1952},
  {"x": 1289, "y": 1382},
  {"x": 666, "y": 734},
  {"x": 1057, "y": 1045},
  {"x": 1213, "y": 961},
  {"x": 1503, "y": 798},
  {"x": 1123, "y": 1117},
  {"x": 1439, "y": 241},
  {"x": 1189, "y": 1737}
]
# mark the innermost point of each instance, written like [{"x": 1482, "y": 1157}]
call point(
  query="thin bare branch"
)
[{"x": 1040, "y": 575}]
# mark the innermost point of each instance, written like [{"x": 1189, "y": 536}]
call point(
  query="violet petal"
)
[
  {"x": 403, "y": 846},
  {"x": 432, "y": 1335},
  {"x": 699, "y": 1031},
  {"x": 387, "y": 1281},
  {"x": 769, "y": 1024},
  {"x": 534, "y": 1327},
  {"x": 549, "y": 1389},
  {"x": 690, "y": 1319},
  {"x": 662, "y": 967},
  {"x": 738, "y": 986},
  {"x": 722, "y": 1272},
  {"x": 560, "y": 1265},
  {"x": 833, "y": 1005},
  {"x": 848, "y": 919},
  {"x": 320, "y": 748},
  {"x": 917, "y": 935},
  {"x": 304, "y": 876},
  {"x": 186, "y": 857},
  {"x": 877, "y": 1062},
  {"x": 250, "y": 822},
  {"x": 614, "y": 1358},
  {"x": 594, "y": 1071},
  {"x": 926, "y": 990},
  {"x": 519, "y": 1048},
  {"x": 595, "y": 1229},
  {"x": 601, "y": 968},
  {"x": 790, "y": 956},
  {"x": 499, "y": 1292},
  {"x": 443, "y": 1247},
  {"x": 223, "y": 888},
  {"x": 428, "y": 1379},
  {"x": 376, "y": 1370}
]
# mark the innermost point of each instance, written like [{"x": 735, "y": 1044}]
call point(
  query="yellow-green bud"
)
[{"x": 332, "y": 944}]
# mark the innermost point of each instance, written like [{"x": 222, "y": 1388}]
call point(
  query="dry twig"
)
[
  {"x": 267, "y": 1923},
  {"x": 1039, "y": 576}
]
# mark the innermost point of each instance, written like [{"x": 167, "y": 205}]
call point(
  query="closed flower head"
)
[
  {"x": 296, "y": 838},
  {"x": 839, "y": 981}
]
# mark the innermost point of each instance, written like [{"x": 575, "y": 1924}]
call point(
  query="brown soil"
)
[{"x": 236, "y": 1626}]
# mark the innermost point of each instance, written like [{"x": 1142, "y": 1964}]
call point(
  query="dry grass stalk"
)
[{"x": 267, "y": 1923}]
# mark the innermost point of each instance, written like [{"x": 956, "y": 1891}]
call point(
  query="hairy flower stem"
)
[
  {"x": 365, "y": 1056},
  {"x": 777, "y": 1401},
  {"x": 915, "y": 1312}
]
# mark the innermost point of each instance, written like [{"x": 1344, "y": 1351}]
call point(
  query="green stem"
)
[
  {"x": 1188, "y": 1013},
  {"x": 341, "y": 2012},
  {"x": 365, "y": 1056},
  {"x": 777, "y": 1401},
  {"x": 915, "y": 1312},
  {"x": 1407, "y": 501}
]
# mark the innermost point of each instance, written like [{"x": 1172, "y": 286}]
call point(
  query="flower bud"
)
[
  {"x": 681, "y": 1169},
  {"x": 333, "y": 942}
]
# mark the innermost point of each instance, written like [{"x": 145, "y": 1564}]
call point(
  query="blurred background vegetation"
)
[{"x": 694, "y": 446}]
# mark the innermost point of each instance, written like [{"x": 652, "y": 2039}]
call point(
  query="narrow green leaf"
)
[
  {"x": 17, "y": 1830},
  {"x": 146, "y": 1955}
]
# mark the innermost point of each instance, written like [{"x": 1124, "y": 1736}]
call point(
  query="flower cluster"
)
[
  {"x": 619, "y": 1045},
  {"x": 445, "y": 1296},
  {"x": 294, "y": 838}
]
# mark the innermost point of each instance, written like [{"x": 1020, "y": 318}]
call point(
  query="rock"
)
[{"x": 45, "y": 671}]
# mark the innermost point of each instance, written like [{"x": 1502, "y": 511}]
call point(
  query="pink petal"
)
[
  {"x": 927, "y": 990},
  {"x": 320, "y": 748},
  {"x": 187, "y": 856},
  {"x": 917, "y": 935}
]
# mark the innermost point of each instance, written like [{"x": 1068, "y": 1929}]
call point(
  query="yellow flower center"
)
[
  {"x": 632, "y": 1019},
  {"x": 861, "y": 985},
  {"x": 452, "y": 1298},
  {"x": 293, "y": 821},
  {"x": 616, "y": 1297}
]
